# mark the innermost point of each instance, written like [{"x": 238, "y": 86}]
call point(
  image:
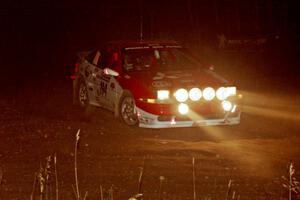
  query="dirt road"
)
[{"x": 38, "y": 120}]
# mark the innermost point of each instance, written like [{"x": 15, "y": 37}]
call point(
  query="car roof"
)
[{"x": 142, "y": 43}]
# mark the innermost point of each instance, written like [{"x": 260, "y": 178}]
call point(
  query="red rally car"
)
[{"x": 154, "y": 84}]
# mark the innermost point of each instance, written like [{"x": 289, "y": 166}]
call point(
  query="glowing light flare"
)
[
  {"x": 209, "y": 93},
  {"x": 231, "y": 91},
  {"x": 227, "y": 105},
  {"x": 221, "y": 93},
  {"x": 183, "y": 108},
  {"x": 233, "y": 109},
  {"x": 173, "y": 122},
  {"x": 181, "y": 95},
  {"x": 195, "y": 94},
  {"x": 163, "y": 94}
]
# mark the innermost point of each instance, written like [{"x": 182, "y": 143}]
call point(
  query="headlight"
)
[
  {"x": 181, "y": 95},
  {"x": 231, "y": 91},
  {"x": 227, "y": 106},
  {"x": 183, "y": 108},
  {"x": 209, "y": 93},
  {"x": 195, "y": 94},
  {"x": 223, "y": 93},
  {"x": 163, "y": 94}
]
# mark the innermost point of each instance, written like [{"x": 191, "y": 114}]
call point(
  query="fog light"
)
[
  {"x": 221, "y": 93},
  {"x": 226, "y": 105},
  {"x": 195, "y": 94},
  {"x": 183, "y": 108},
  {"x": 163, "y": 94},
  {"x": 181, "y": 95},
  {"x": 209, "y": 93}
]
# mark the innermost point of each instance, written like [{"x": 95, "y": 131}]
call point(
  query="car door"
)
[{"x": 105, "y": 85}]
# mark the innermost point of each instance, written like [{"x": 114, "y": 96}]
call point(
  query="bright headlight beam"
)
[
  {"x": 222, "y": 93},
  {"x": 163, "y": 94},
  {"x": 227, "y": 105},
  {"x": 231, "y": 91},
  {"x": 183, "y": 108},
  {"x": 195, "y": 94},
  {"x": 181, "y": 95},
  {"x": 209, "y": 93}
]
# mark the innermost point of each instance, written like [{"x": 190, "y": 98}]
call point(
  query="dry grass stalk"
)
[
  {"x": 75, "y": 166},
  {"x": 56, "y": 179},
  {"x": 140, "y": 182},
  {"x": 42, "y": 177},
  {"x": 161, "y": 179},
  {"x": 101, "y": 193},
  {"x": 229, "y": 189},
  {"x": 194, "y": 179},
  {"x": 291, "y": 183},
  {"x": 1, "y": 175},
  {"x": 85, "y": 195},
  {"x": 1, "y": 178},
  {"x": 33, "y": 187},
  {"x": 111, "y": 193}
]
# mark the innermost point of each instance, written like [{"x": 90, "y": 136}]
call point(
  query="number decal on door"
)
[{"x": 103, "y": 88}]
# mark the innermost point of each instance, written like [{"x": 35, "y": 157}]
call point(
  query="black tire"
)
[
  {"x": 127, "y": 110},
  {"x": 83, "y": 100}
]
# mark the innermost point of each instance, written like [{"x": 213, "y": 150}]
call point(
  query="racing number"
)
[{"x": 103, "y": 88}]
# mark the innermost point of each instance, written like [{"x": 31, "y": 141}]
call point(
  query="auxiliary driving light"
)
[
  {"x": 209, "y": 93},
  {"x": 221, "y": 93},
  {"x": 181, "y": 95},
  {"x": 231, "y": 91},
  {"x": 195, "y": 94},
  {"x": 163, "y": 94},
  {"x": 227, "y": 106},
  {"x": 183, "y": 108}
]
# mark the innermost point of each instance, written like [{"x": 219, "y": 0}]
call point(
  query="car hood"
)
[{"x": 177, "y": 79}]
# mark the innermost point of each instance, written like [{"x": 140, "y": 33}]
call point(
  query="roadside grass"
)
[{"x": 46, "y": 185}]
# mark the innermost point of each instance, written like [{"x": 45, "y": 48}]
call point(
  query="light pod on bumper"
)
[
  {"x": 183, "y": 108},
  {"x": 181, "y": 95},
  {"x": 195, "y": 94},
  {"x": 222, "y": 93},
  {"x": 227, "y": 105},
  {"x": 225, "y": 92},
  {"x": 163, "y": 94},
  {"x": 209, "y": 94}
]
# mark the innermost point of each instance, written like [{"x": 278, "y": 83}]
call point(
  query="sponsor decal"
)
[
  {"x": 161, "y": 84},
  {"x": 112, "y": 86},
  {"x": 175, "y": 75},
  {"x": 127, "y": 76},
  {"x": 159, "y": 76},
  {"x": 103, "y": 89},
  {"x": 131, "y": 48}
]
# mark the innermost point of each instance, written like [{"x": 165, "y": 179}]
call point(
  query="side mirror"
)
[
  {"x": 211, "y": 67},
  {"x": 110, "y": 72}
]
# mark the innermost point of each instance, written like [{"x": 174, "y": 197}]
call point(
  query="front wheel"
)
[
  {"x": 128, "y": 111},
  {"x": 83, "y": 95},
  {"x": 83, "y": 99}
]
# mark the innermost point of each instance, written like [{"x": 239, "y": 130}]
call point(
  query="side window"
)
[
  {"x": 103, "y": 62},
  {"x": 114, "y": 60},
  {"x": 91, "y": 56},
  {"x": 110, "y": 59}
]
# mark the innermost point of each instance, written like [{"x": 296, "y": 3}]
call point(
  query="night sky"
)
[{"x": 38, "y": 37}]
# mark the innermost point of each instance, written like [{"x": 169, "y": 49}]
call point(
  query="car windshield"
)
[{"x": 141, "y": 59}]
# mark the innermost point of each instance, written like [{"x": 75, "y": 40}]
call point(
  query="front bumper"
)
[{"x": 148, "y": 120}]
